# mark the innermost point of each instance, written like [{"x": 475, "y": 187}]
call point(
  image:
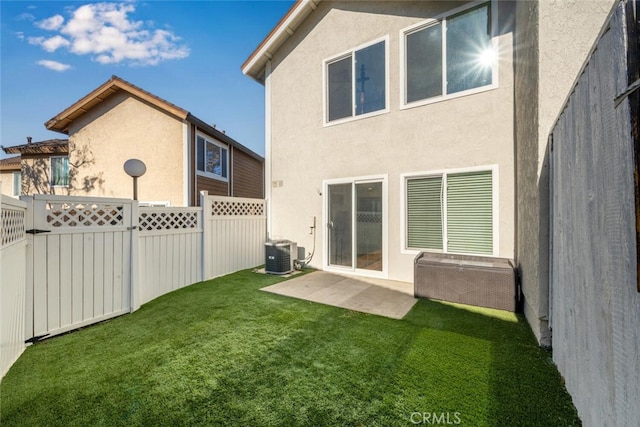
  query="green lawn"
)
[{"x": 224, "y": 353}]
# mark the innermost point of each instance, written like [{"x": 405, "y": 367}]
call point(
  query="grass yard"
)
[{"x": 224, "y": 353}]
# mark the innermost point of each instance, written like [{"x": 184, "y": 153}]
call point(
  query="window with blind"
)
[
  {"x": 60, "y": 171},
  {"x": 450, "y": 212},
  {"x": 17, "y": 183}
]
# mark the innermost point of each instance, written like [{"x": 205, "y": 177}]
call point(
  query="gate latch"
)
[{"x": 36, "y": 231}]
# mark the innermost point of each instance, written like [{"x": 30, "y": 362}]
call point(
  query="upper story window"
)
[
  {"x": 212, "y": 158},
  {"x": 60, "y": 171},
  {"x": 356, "y": 82},
  {"x": 450, "y": 56}
]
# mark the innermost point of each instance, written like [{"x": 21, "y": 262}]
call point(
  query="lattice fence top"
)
[
  {"x": 69, "y": 214},
  {"x": 237, "y": 207},
  {"x": 168, "y": 220},
  {"x": 12, "y": 226}
]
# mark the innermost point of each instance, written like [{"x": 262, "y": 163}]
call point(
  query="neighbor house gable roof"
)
[
  {"x": 254, "y": 66},
  {"x": 10, "y": 164},
  {"x": 62, "y": 121},
  {"x": 51, "y": 146}
]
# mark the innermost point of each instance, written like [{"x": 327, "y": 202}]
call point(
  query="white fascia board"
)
[{"x": 283, "y": 31}]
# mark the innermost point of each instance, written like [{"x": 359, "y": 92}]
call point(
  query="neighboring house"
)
[
  {"x": 10, "y": 176},
  {"x": 395, "y": 143},
  {"x": 44, "y": 166},
  {"x": 183, "y": 155}
]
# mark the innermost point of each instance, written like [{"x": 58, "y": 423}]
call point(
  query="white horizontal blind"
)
[
  {"x": 470, "y": 213},
  {"x": 424, "y": 213}
]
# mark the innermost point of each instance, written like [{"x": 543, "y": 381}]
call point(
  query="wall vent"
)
[
  {"x": 279, "y": 256},
  {"x": 473, "y": 280}
]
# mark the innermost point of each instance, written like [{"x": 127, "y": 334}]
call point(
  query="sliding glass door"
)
[{"x": 355, "y": 225}]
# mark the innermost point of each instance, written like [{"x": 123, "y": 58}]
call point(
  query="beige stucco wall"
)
[
  {"x": 474, "y": 130},
  {"x": 554, "y": 38},
  {"x": 36, "y": 176},
  {"x": 6, "y": 178},
  {"x": 121, "y": 128}
]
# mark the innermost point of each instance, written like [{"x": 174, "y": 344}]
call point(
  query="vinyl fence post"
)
[
  {"x": 206, "y": 235},
  {"x": 136, "y": 283},
  {"x": 28, "y": 294}
]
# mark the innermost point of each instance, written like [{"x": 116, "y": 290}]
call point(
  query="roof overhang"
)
[
  {"x": 10, "y": 164},
  {"x": 62, "y": 121},
  {"x": 222, "y": 137},
  {"x": 254, "y": 66},
  {"x": 52, "y": 146}
]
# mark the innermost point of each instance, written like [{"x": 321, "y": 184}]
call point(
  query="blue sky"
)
[{"x": 187, "y": 52}]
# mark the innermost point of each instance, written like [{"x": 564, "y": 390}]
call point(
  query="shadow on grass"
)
[{"x": 224, "y": 353}]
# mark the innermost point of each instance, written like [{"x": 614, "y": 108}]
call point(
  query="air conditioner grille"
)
[{"x": 279, "y": 256}]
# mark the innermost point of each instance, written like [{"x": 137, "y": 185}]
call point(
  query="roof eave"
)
[
  {"x": 62, "y": 121},
  {"x": 223, "y": 137},
  {"x": 254, "y": 66}
]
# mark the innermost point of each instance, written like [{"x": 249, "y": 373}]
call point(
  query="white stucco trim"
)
[
  {"x": 267, "y": 144},
  {"x": 285, "y": 29},
  {"x": 352, "y": 51},
  {"x": 186, "y": 156},
  {"x": 442, "y": 18},
  {"x": 495, "y": 182},
  {"x": 384, "y": 179}
]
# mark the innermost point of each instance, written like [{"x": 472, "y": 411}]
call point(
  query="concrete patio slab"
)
[{"x": 374, "y": 296}]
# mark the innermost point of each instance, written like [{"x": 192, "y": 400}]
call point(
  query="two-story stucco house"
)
[
  {"x": 118, "y": 121},
  {"x": 409, "y": 126},
  {"x": 391, "y": 124},
  {"x": 419, "y": 126}
]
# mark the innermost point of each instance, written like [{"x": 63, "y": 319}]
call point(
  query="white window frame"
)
[
  {"x": 443, "y": 18},
  {"x": 444, "y": 174},
  {"x": 210, "y": 140},
  {"x": 13, "y": 183},
  {"x": 325, "y": 86},
  {"x": 51, "y": 172}
]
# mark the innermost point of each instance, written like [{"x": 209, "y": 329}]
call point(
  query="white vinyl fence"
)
[
  {"x": 169, "y": 250},
  {"x": 79, "y": 262},
  {"x": 235, "y": 230},
  {"x": 86, "y": 259},
  {"x": 13, "y": 247}
]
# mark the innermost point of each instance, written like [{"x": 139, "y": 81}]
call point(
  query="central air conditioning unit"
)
[{"x": 279, "y": 256}]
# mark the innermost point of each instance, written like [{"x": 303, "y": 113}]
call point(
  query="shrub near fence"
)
[{"x": 163, "y": 249}]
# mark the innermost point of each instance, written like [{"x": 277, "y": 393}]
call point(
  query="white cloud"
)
[
  {"x": 36, "y": 40},
  {"x": 51, "y": 24},
  {"x": 54, "y": 43},
  {"x": 25, "y": 17},
  {"x": 54, "y": 65},
  {"x": 106, "y": 33}
]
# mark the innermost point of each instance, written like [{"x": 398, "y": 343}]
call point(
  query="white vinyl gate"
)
[{"x": 81, "y": 256}]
